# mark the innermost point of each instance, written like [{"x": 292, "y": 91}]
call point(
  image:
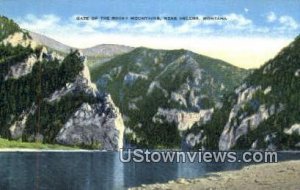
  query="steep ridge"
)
[
  {"x": 163, "y": 93},
  {"x": 95, "y": 55},
  {"x": 106, "y": 50},
  {"x": 50, "y": 43},
  {"x": 50, "y": 98},
  {"x": 262, "y": 113}
]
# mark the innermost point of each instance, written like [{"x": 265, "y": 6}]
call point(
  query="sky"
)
[{"x": 253, "y": 32}]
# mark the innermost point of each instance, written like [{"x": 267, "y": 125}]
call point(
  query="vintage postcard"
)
[{"x": 136, "y": 94}]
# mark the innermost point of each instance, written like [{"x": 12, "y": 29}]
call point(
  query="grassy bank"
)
[{"x": 4, "y": 143}]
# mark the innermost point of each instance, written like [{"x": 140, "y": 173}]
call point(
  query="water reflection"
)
[
  {"x": 96, "y": 170},
  {"x": 60, "y": 171}
]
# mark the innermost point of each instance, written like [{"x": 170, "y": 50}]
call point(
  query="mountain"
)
[
  {"x": 103, "y": 50},
  {"x": 95, "y": 55},
  {"x": 50, "y": 43},
  {"x": 50, "y": 98},
  {"x": 106, "y": 50},
  {"x": 102, "y": 53},
  {"x": 262, "y": 113},
  {"x": 161, "y": 93}
]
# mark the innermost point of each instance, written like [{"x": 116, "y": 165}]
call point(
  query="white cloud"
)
[
  {"x": 234, "y": 25},
  {"x": 53, "y": 24},
  {"x": 246, "y": 10},
  {"x": 41, "y": 23},
  {"x": 237, "y": 22},
  {"x": 288, "y": 22},
  {"x": 271, "y": 17},
  {"x": 225, "y": 40},
  {"x": 283, "y": 23}
]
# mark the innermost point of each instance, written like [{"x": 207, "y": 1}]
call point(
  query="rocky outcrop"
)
[
  {"x": 239, "y": 123},
  {"x": 17, "y": 128},
  {"x": 21, "y": 69},
  {"x": 178, "y": 89},
  {"x": 156, "y": 84},
  {"x": 184, "y": 120},
  {"x": 293, "y": 129},
  {"x": 131, "y": 77},
  {"x": 191, "y": 140},
  {"x": 297, "y": 73},
  {"x": 232, "y": 133},
  {"x": 95, "y": 124},
  {"x": 264, "y": 111},
  {"x": 82, "y": 83},
  {"x": 99, "y": 125},
  {"x": 19, "y": 38}
]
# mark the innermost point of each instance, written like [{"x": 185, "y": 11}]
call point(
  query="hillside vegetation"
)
[
  {"x": 153, "y": 88},
  {"x": 262, "y": 113}
]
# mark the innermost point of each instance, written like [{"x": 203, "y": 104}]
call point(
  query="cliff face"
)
[
  {"x": 99, "y": 123},
  {"x": 262, "y": 113},
  {"x": 270, "y": 114},
  {"x": 94, "y": 124},
  {"x": 234, "y": 129},
  {"x": 164, "y": 93},
  {"x": 45, "y": 97}
]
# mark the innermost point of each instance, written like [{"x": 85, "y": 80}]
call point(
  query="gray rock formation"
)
[
  {"x": 183, "y": 119},
  {"x": 82, "y": 83},
  {"x": 17, "y": 128},
  {"x": 240, "y": 122},
  {"x": 99, "y": 125},
  {"x": 193, "y": 139},
  {"x": 21, "y": 69},
  {"x": 293, "y": 129},
  {"x": 130, "y": 78}
]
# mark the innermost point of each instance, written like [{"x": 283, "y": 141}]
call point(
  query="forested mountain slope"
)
[
  {"x": 262, "y": 113},
  {"x": 45, "y": 97},
  {"x": 162, "y": 93}
]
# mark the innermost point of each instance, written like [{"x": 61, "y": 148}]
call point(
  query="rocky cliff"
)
[
  {"x": 265, "y": 112},
  {"x": 50, "y": 98},
  {"x": 162, "y": 93},
  {"x": 262, "y": 113}
]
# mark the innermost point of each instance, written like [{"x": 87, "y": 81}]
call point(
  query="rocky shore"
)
[{"x": 283, "y": 175}]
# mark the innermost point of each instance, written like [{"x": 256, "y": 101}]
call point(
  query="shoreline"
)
[
  {"x": 88, "y": 150},
  {"x": 11, "y": 150},
  {"x": 4, "y": 150},
  {"x": 281, "y": 175}
]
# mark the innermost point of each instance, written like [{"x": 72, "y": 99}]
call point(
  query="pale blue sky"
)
[{"x": 254, "y": 10}]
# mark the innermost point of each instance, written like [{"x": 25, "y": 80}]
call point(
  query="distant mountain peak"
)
[
  {"x": 101, "y": 50},
  {"x": 106, "y": 50}
]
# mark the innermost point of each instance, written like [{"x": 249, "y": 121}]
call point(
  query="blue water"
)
[{"x": 96, "y": 170}]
